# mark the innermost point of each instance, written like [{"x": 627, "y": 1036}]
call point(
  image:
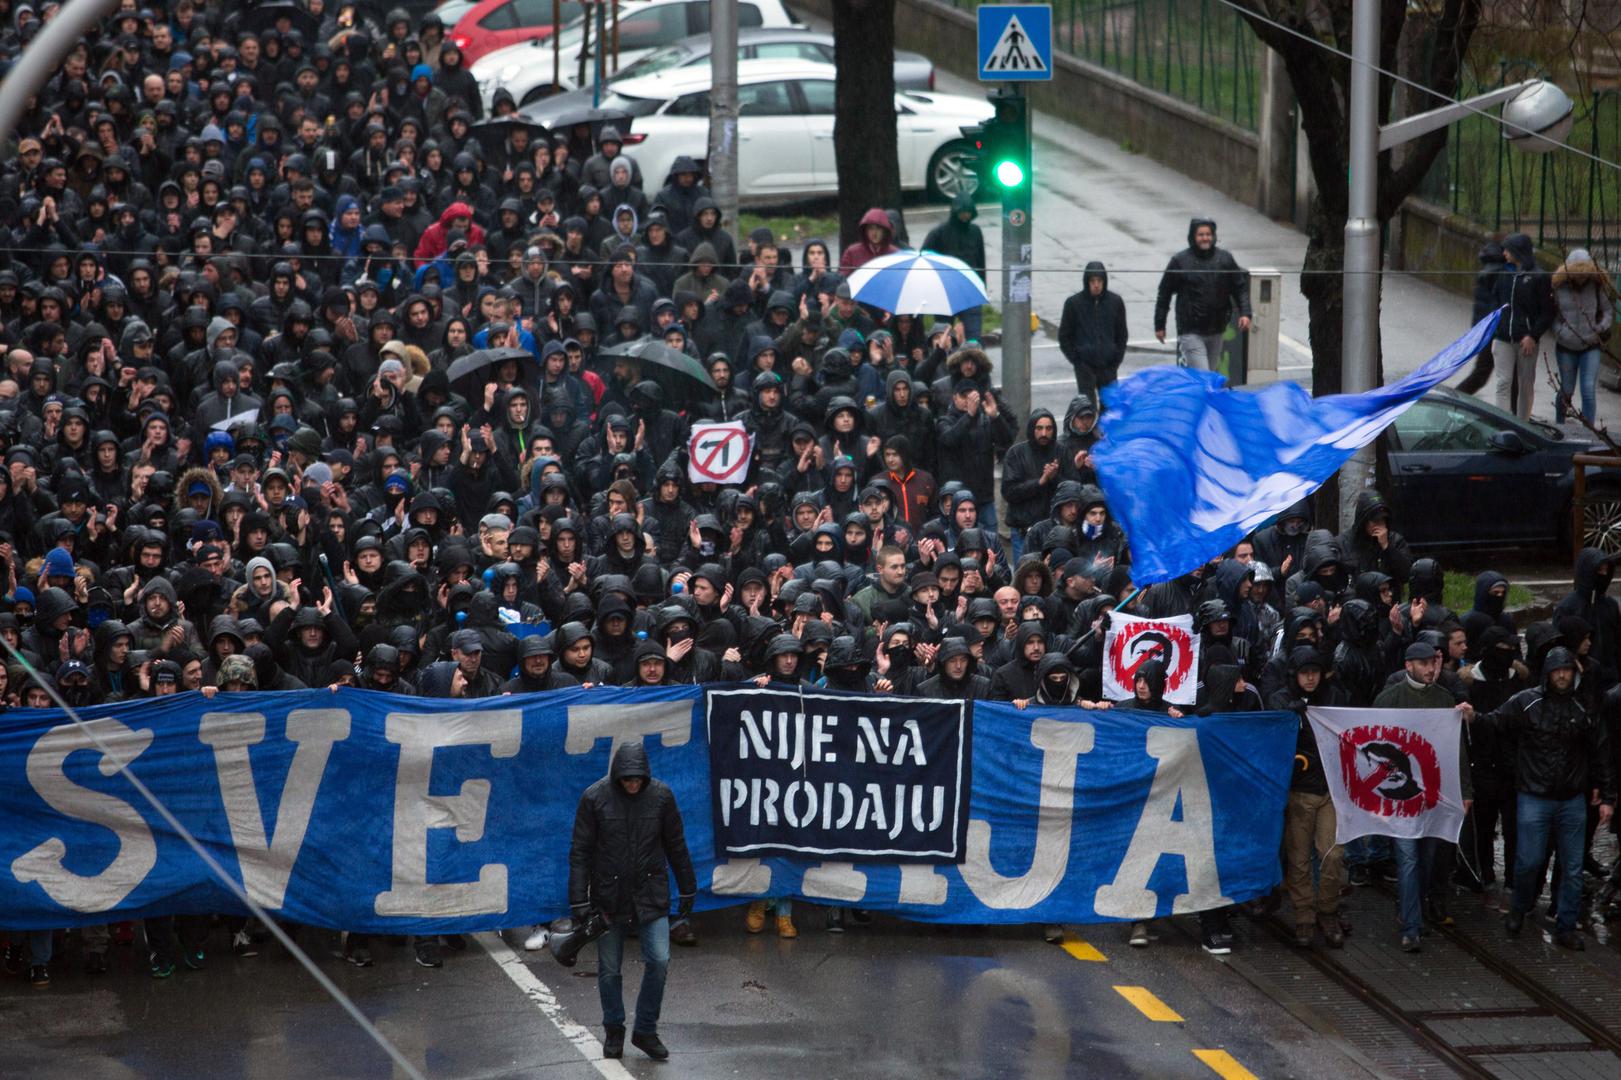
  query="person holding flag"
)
[
  {"x": 1424, "y": 864},
  {"x": 1561, "y": 756}
]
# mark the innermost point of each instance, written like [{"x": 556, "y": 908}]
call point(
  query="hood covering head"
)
[
  {"x": 1095, "y": 269},
  {"x": 1484, "y": 600},
  {"x": 1194, "y": 225},
  {"x": 1558, "y": 657},
  {"x": 629, "y": 761}
]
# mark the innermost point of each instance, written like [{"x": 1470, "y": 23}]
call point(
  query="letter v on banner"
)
[{"x": 1391, "y": 772}]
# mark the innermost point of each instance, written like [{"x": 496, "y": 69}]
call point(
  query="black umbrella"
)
[
  {"x": 492, "y": 135},
  {"x": 567, "y": 120},
  {"x": 681, "y": 376},
  {"x": 469, "y": 375},
  {"x": 263, "y": 17}
]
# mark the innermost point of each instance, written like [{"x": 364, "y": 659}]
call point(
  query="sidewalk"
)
[{"x": 1094, "y": 200}]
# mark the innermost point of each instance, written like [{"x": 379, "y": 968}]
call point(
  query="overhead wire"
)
[
  {"x": 1251, "y": 13},
  {"x": 280, "y": 934}
]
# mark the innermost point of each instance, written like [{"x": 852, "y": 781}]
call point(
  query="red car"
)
[{"x": 493, "y": 24}]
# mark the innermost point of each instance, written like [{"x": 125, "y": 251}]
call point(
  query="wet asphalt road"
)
[{"x": 891, "y": 1000}]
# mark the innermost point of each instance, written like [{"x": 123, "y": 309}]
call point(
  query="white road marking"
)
[{"x": 584, "y": 1039}]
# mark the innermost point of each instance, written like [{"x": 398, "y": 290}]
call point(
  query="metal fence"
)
[
  {"x": 1563, "y": 200},
  {"x": 1199, "y": 51}
]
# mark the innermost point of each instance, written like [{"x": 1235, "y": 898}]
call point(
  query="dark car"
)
[{"x": 1467, "y": 474}]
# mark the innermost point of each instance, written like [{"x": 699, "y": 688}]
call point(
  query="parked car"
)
[
  {"x": 1464, "y": 473},
  {"x": 913, "y": 71},
  {"x": 785, "y": 129},
  {"x": 487, "y": 25},
  {"x": 525, "y": 70}
]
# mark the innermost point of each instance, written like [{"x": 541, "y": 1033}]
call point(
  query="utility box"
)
[{"x": 1266, "y": 307}]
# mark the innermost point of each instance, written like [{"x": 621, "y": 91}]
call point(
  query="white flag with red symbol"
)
[
  {"x": 1392, "y": 772},
  {"x": 1133, "y": 641}
]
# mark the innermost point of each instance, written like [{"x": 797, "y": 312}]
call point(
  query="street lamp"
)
[{"x": 1538, "y": 117}]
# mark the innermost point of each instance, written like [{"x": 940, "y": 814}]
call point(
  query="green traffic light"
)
[{"x": 1010, "y": 174}]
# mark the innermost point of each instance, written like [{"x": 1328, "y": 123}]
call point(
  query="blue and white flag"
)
[{"x": 1189, "y": 466}]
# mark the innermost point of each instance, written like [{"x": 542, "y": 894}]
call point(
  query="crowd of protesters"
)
[{"x": 241, "y": 267}]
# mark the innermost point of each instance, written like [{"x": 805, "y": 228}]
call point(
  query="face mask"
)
[
  {"x": 1057, "y": 687},
  {"x": 678, "y": 635},
  {"x": 1293, "y": 527},
  {"x": 900, "y": 657},
  {"x": 1092, "y": 531}
]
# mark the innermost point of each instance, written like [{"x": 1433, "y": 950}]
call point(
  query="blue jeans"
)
[
  {"x": 1566, "y": 821},
  {"x": 1016, "y": 538},
  {"x": 973, "y": 321},
  {"x": 1367, "y": 850},
  {"x": 655, "y": 937},
  {"x": 1583, "y": 366},
  {"x": 1414, "y": 862}
]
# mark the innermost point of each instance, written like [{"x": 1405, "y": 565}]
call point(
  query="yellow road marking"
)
[
  {"x": 1147, "y": 1004},
  {"x": 1082, "y": 950},
  {"x": 1222, "y": 1063}
]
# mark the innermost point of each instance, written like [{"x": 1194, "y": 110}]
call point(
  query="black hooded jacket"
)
[
  {"x": 1026, "y": 492},
  {"x": 625, "y": 846},
  {"x": 1092, "y": 330},
  {"x": 1556, "y": 748},
  {"x": 1587, "y": 598},
  {"x": 1209, "y": 286},
  {"x": 1362, "y": 553}
]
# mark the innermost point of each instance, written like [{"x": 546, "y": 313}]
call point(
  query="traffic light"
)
[
  {"x": 1008, "y": 147},
  {"x": 975, "y": 160}
]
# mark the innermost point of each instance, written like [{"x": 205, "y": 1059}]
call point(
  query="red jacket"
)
[
  {"x": 862, "y": 252},
  {"x": 436, "y": 237}
]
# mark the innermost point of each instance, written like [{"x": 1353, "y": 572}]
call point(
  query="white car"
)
[
  {"x": 525, "y": 69},
  {"x": 785, "y": 129}
]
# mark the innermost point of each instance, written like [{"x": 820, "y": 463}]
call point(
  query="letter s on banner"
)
[
  {"x": 415, "y": 812},
  {"x": 137, "y": 852}
]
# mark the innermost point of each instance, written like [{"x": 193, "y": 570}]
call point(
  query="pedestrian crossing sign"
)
[{"x": 1015, "y": 42}]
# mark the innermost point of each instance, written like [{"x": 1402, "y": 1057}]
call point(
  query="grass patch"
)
[
  {"x": 793, "y": 229},
  {"x": 1459, "y": 592}
]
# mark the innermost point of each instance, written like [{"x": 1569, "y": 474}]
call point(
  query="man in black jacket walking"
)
[
  {"x": 627, "y": 838},
  {"x": 1092, "y": 332},
  {"x": 1209, "y": 286},
  {"x": 1561, "y": 762}
]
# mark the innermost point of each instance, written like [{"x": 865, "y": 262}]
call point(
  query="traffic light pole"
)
[{"x": 1016, "y": 279}]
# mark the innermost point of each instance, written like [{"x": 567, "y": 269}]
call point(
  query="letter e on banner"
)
[{"x": 718, "y": 453}]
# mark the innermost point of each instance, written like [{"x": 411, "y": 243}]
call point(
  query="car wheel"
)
[
  {"x": 539, "y": 93},
  {"x": 950, "y": 173},
  {"x": 1601, "y": 520}
]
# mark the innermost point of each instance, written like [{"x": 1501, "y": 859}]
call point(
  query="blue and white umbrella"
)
[{"x": 918, "y": 283}]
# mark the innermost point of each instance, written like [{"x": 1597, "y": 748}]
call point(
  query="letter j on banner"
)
[{"x": 718, "y": 453}]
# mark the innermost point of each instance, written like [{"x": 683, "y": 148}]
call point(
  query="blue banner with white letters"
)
[
  {"x": 1190, "y": 467},
  {"x": 388, "y": 814}
]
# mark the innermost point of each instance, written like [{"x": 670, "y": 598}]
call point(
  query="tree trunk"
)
[{"x": 864, "y": 137}]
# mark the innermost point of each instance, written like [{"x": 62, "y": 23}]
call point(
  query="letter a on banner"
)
[
  {"x": 1132, "y": 642},
  {"x": 718, "y": 453}
]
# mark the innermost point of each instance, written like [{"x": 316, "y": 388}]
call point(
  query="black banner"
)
[{"x": 848, "y": 777}]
